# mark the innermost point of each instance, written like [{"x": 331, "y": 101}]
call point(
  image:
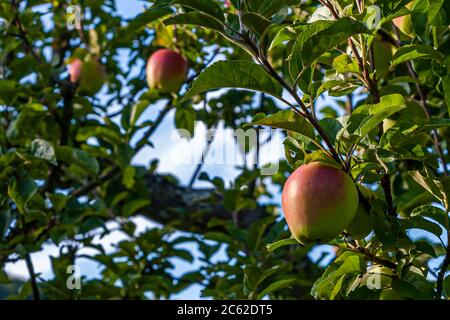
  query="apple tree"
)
[{"x": 79, "y": 103}]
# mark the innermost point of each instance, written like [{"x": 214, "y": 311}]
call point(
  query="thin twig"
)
[
  {"x": 209, "y": 142},
  {"x": 34, "y": 286},
  {"x": 22, "y": 34}
]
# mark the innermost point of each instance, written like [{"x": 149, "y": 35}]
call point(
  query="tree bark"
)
[{"x": 191, "y": 209}]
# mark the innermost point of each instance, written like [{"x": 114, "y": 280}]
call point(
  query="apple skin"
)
[
  {"x": 318, "y": 201},
  {"x": 166, "y": 70},
  {"x": 75, "y": 70},
  {"x": 90, "y": 74},
  {"x": 361, "y": 225}
]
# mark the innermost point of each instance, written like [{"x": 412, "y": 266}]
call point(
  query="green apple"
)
[
  {"x": 319, "y": 201},
  {"x": 361, "y": 225}
]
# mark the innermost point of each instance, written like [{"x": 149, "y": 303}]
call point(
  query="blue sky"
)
[{"x": 162, "y": 150}]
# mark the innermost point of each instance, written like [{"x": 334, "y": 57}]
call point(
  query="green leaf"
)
[
  {"x": 426, "y": 248},
  {"x": 293, "y": 151},
  {"x": 267, "y": 8},
  {"x": 271, "y": 247},
  {"x": 185, "y": 119},
  {"x": 128, "y": 176},
  {"x": 423, "y": 224},
  {"x": 137, "y": 110},
  {"x": 78, "y": 157},
  {"x": 208, "y": 7},
  {"x": 345, "y": 64},
  {"x": 253, "y": 276},
  {"x": 99, "y": 132},
  {"x": 320, "y": 156},
  {"x": 219, "y": 237},
  {"x": 284, "y": 35},
  {"x": 4, "y": 279},
  {"x": 348, "y": 263},
  {"x": 431, "y": 212},
  {"x": 21, "y": 191},
  {"x": 429, "y": 184},
  {"x": 320, "y": 37},
  {"x": 446, "y": 285},
  {"x": 234, "y": 74},
  {"x": 145, "y": 18},
  {"x": 131, "y": 207},
  {"x": 5, "y": 221},
  {"x": 331, "y": 127},
  {"x": 367, "y": 117},
  {"x": 413, "y": 285},
  {"x": 277, "y": 285},
  {"x": 286, "y": 120},
  {"x": 434, "y": 6},
  {"x": 195, "y": 18},
  {"x": 59, "y": 201},
  {"x": 415, "y": 51},
  {"x": 42, "y": 149},
  {"x": 256, "y": 23}
]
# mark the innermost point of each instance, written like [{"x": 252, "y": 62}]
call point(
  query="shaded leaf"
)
[
  {"x": 78, "y": 157},
  {"x": 415, "y": 51},
  {"x": 234, "y": 74},
  {"x": 21, "y": 191}
]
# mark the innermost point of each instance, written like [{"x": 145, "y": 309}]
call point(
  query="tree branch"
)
[
  {"x": 116, "y": 169},
  {"x": 34, "y": 286},
  {"x": 209, "y": 142}
]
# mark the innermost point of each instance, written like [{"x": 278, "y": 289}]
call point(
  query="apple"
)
[
  {"x": 75, "y": 70},
  {"x": 319, "y": 201},
  {"x": 166, "y": 70},
  {"x": 404, "y": 23},
  {"x": 90, "y": 74},
  {"x": 361, "y": 225}
]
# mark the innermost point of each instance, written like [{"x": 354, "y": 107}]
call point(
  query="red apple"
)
[
  {"x": 166, "y": 70},
  {"x": 90, "y": 74},
  {"x": 75, "y": 70},
  {"x": 319, "y": 201}
]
